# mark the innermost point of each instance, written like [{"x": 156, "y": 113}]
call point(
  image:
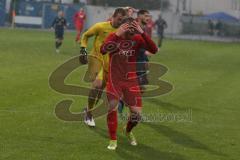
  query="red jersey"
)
[
  {"x": 123, "y": 55},
  {"x": 79, "y": 18}
]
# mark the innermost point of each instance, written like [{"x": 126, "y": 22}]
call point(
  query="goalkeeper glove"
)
[{"x": 83, "y": 56}]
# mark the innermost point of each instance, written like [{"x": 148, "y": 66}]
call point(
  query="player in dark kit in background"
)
[
  {"x": 59, "y": 24},
  {"x": 143, "y": 17},
  {"x": 123, "y": 48},
  {"x": 161, "y": 24}
]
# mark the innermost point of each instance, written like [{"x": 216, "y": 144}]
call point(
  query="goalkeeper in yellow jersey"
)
[{"x": 97, "y": 63}]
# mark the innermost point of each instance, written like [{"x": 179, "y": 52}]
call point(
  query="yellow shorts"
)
[
  {"x": 96, "y": 69},
  {"x": 102, "y": 75}
]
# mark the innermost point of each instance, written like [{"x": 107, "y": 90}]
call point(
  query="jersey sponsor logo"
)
[
  {"x": 123, "y": 47},
  {"x": 127, "y": 52}
]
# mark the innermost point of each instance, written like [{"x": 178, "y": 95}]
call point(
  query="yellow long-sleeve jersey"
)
[{"x": 100, "y": 30}]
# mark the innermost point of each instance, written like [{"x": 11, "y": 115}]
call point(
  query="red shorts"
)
[
  {"x": 129, "y": 92},
  {"x": 79, "y": 27}
]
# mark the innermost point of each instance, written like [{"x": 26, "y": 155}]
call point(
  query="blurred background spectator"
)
[
  {"x": 161, "y": 25},
  {"x": 210, "y": 27}
]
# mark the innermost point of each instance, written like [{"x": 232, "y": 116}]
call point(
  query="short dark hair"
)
[
  {"x": 119, "y": 11},
  {"x": 142, "y": 11}
]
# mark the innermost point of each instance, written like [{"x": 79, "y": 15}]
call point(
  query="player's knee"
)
[
  {"x": 135, "y": 118},
  {"x": 113, "y": 105},
  {"x": 59, "y": 40},
  {"x": 88, "y": 77},
  {"x": 98, "y": 84}
]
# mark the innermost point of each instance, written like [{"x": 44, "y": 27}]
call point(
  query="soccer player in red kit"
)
[
  {"x": 123, "y": 47},
  {"x": 79, "y": 19}
]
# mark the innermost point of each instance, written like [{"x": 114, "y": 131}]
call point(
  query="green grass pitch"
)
[{"x": 205, "y": 77}]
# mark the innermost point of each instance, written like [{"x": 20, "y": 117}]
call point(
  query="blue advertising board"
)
[
  {"x": 31, "y": 13},
  {"x": 2, "y": 12},
  {"x": 33, "y": 9}
]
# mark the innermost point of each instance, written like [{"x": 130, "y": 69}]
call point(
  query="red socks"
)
[
  {"x": 112, "y": 123},
  {"x": 132, "y": 122},
  {"x": 130, "y": 126},
  {"x": 78, "y": 37}
]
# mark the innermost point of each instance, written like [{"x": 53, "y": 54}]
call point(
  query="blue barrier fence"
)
[
  {"x": 42, "y": 14},
  {"x": 2, "y": 12}
]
